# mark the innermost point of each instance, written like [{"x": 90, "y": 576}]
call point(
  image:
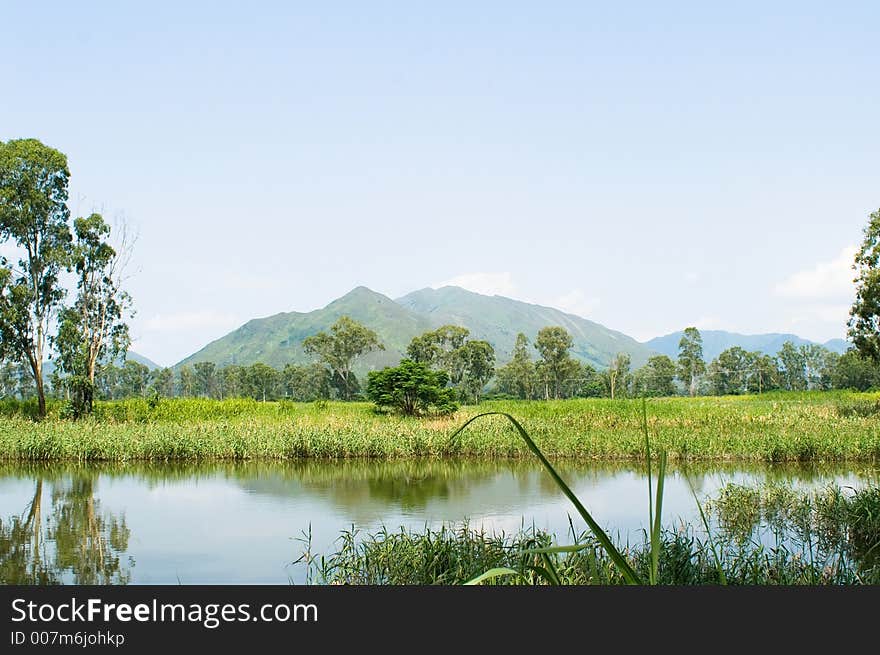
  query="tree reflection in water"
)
[{"x": 72, "y": 540}]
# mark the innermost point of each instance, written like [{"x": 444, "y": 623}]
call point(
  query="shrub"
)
[{"x": 411, "y": 389}]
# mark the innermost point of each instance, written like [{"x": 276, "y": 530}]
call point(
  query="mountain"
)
[
  {"x": 717, "y": 341},
  {"x": 140, "y": 359},
  {"x": 49, "y": 365},
  {"x": 498, "y": 320},
  {"x": 277, "y": 340}
]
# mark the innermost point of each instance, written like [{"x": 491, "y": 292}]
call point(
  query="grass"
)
[
  {"x": 458, "y": 555},
  {"x": 777, "y": 427},
  {"x": 827, "y": 523},
  {"x": 443, "y": 557}
]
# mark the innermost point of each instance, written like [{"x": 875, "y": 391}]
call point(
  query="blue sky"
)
[{"x": 646, "y": 166}]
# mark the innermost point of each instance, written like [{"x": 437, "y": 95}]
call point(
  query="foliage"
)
[
  {"x": 346, "y": 341},
  {"x": 656, "y": 378},
  {"x": 305, "y": 383},
  {"x": 87, "y": 541},
  {"x": 34, "y": 218},
  {"x": 690, "y": 359},
  {"x": 92, "y": 331},
  {"x": 412, "y": 389},
  {"x": 470, "y": 364},
  {"x": 617, "y": 377},
  {"x": 457, "y": 554},
  {"x": 518, "y": 377},
  {"x": 855, "y": 371},
  {"x": 792, "y": 367},
  {"x": 556, "y": 365},
  {"x": 730, "y": 371},
  {"x": 864, "y": 322}
]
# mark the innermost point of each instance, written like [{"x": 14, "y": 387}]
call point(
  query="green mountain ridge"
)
[
  {"x": 717, "y": 341},
  {"x": 498, "y": 320},
  {"x": 277, "y": 340}
]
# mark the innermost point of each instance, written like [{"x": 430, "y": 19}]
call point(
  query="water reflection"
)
[
  {"x": 63, "y": 535},
  {"x": 236, "y": 522}
]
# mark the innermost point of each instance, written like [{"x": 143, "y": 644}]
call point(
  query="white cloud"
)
[
  {"x": 489, "y": 284},
  {"x": 831, "y": 279},
  {"x": 835, "y": 313},
  {"x": 183, "y": 321}
]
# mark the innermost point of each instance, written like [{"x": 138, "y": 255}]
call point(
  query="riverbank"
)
[{"x": 809, "y": 426}]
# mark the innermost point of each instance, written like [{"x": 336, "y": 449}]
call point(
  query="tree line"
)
[
  {"x": 62, "y": 299},
  {"x": 446, "y": 358}
]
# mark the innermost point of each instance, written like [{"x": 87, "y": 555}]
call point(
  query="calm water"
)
[{"x": 241, "y": 523}]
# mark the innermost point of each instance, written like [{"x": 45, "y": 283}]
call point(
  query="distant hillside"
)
[
  {"x": 277, "y": 340},
  {"x": 717, "y": 341},
  {"x": 498, "y": 320},
  {"x": 49, "y": 365},
  {"x": 140, "y": 359}
]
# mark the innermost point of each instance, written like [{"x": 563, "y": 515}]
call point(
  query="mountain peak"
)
[{"x": 360, "y": 294}]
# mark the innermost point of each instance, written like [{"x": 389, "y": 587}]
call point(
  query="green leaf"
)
[
  {"x": 619, "y": 560},
  {"x": 491, "y": 574}
]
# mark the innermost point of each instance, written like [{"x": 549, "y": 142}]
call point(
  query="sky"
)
[{"x": 646, "y": 165}]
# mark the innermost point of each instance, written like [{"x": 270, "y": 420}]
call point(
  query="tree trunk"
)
[{"x": 41, "y": 397}]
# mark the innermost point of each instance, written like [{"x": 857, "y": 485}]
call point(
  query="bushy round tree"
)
[{"x": 412, "y": 389}]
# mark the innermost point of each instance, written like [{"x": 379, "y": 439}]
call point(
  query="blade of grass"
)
[
  {"x": 656, "y": 527},
  {"x": 619, "y": 560},
  {"x": 549, "y": 574},
  {"x": 721, "y": 577},
  {"x": 554, "y": 549},
  {"x": 655, "y": 506},
  {"x": 491, "y": 574}
]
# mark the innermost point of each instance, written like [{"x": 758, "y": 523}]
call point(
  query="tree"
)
[
  {"x": 107, "y": 381},
  {"x": 553, "y": 344},
  {"x": 517, "y": 377},
  {"x": 186, "y": 381},
  {"x": 729, "y": 372},
  {"x": 854, "y": 370},
  {"x": 477, "y": 365},
  {"x": 306, "y": 383},
  {"x": 34, "y": 217},
  {"x": 617, "y": 376},
  {"x": 656, "y": 378},
  {"x": 864, "y": 321},
  {"x": 764, "y": 373},
  {"x": 411, "y": 388},
  {"x": 690, "y": 359},
  {"x": 424, "y": 349},
  {"x": 591, "y": 383},
  {"x": 441, "y": 349},
  {"x": 93, "y": 329},
  {"x": 233, "y": 380},
  {"x": 470, "y": 364},
  {"x": 793, "y": 367},
  {"x": 262, "y": 380},
  {"x": 347, "y": 341},
  {"x": 206, "y": 381},
  {"x": 135, "y": 379},
  {"x": 8, "y": 380},
  {"x": 163, "y": 382}
]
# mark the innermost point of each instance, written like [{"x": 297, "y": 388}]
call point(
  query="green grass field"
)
[{"x": 810, "y": 426}]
